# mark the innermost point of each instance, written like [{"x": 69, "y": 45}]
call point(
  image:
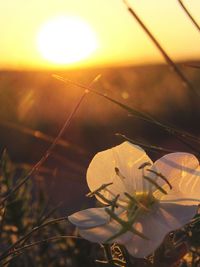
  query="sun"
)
[{"x": 66, "y": 40}]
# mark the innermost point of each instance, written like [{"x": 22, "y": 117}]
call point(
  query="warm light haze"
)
[
  {"x": 65, "y": 33},
  {"x": 66, "y": 39}
]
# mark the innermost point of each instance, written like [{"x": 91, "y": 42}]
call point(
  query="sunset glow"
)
[
  {"x": 66, "y": 40},
  {"x": 91, "y": 33}
]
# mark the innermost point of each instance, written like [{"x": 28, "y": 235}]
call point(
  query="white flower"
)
[{"x": 145, "y": 200}]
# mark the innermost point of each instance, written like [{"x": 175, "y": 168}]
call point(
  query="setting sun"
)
[{"x": 66, "y": 40}]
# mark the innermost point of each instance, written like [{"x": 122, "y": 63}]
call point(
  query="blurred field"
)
[{"x": 37, "y": 101}]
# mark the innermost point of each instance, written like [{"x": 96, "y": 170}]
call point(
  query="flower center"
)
[
  {"x": 140, "y": 202},
  {"x": 145, "y": 199}
]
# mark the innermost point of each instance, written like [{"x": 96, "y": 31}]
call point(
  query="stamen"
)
[
  {"x": 144, "y": 165},
  {"x": 119, "y": 173},
  {"x": 132, "y": 207},
  {"x": 110, "y": 192},
  {"x": 161, "y": 176},
  {"x": 102, "y": 187},
  {"x": 114, "y": 216},
  {"x": 112, "y": 203},
  {"x": 154, "y": 183},
  {"x": 126, "y": 226},
  {"x": 134, "y": 200}
]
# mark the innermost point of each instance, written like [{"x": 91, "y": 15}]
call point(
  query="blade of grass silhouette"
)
[
  {"x": 144, "y": 116},
  {"x": 169, "y": 61},
  {"x": 177, "y": 133},
  {"x": 27, "y": 166},
  {"x": 189, "y": 15},
  {"x": 132, "y": 111},
  {"x": 20, "y": 250},
  {"x": 3, "y": 215},
  {"x": 146, "y": 146},
  {"x": 161, "y": 149},
  {"x": 141, "y": 115},
  {"x": 31, "y": 232},
  {"x": 49, "y": 150},
  {"x": 50, "y": 213},
  {"x": 43, "y": 218},
  {"x": 185, "y": 142},
  {"x": 192, "y": 65},
  {"x": 37, "y": 166}
]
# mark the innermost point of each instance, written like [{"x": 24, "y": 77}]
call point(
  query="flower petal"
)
[
  {"x": 89, "y": 218},
  {"x": 175, "y": 215},
  {"x": 126, "y": 159},
  {"x": 155, "y": 232},
  {"x": 155, "y": 225},
  {"x": 183, "y": 173},
  {"x": 101, "y": 233}
]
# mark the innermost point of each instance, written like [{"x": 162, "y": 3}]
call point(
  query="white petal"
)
[
  {"x": 153, "y": 229},
  {"x": 190, "y": 184},
  {"x": 89, "y": 218},
  {"x": 183, "y": 172},
  {"x": 101, "y": 233},
  {"x": 127, "y": 158},
  {"x": 164, "y": 219},
  {"x": 154, "y": 225},
  {"x": 175, "y": 215}
]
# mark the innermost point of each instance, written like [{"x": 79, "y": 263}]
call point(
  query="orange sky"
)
[{"x": 121, "y": 41}]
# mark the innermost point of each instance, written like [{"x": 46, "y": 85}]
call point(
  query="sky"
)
[{"x": 121, "y": 41}]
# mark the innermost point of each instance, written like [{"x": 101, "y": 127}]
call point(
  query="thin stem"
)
[
  {"x": 50, "y": 239},
  {"x": 193, "y": 65},
  {"x": 149, "y": 147},
  {"x": 3, "y": 211},
  {"x": 48, "y": 152},
  {"x": 108, "y": 254},
  {"x": 141, "y": 115},
  {"x": 189, "y": 15},
  {"x": 50, "y": 213},
  {"x": 169, "y": 61},
  {"x": 185, "y": 142},
  {"x": 42, "y": 220},
  {"x": 13, "y": 246}
]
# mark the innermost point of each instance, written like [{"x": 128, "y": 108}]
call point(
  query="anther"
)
[
  {"x": 117, "y": 171},
  {"x": 161, "y": 176},
  {"x": 135, "y": 201},
  {"x": 154, "y": 183},
  {"x": 144, "y": 165}
]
